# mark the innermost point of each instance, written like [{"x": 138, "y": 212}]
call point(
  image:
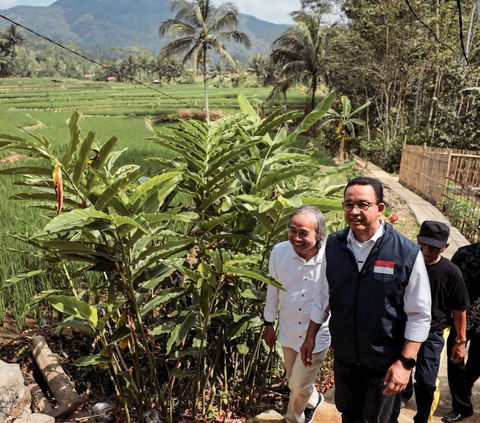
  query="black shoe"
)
[
  {"x": 310, "y": 412},
  {"x": 453, "y": 417}
]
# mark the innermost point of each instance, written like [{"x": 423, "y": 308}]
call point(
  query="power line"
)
[{"x": 95, "y": 62}]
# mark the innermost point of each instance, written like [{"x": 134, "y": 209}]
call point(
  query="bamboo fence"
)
[{"x": 440, "y": 174}]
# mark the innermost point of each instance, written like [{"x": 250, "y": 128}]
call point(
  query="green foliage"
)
[
  {"x": 300, "y": 52},
  {"x": 180, "y": 257}
]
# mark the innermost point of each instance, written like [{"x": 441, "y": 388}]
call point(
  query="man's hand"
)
[
  {"x": 396, "y": 379},
  {"x": 458, "y": 353},
  {"x": 269, "y": 336},
  {"x": 306, "y": 350}
]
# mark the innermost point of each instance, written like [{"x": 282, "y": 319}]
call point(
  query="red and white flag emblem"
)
[{"x": 385, "y": 267}]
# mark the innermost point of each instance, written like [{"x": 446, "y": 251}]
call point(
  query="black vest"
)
[{"x": 367, "y": 321}]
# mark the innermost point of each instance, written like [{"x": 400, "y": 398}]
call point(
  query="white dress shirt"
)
[
  {"x": 417, "y": 298},
  {"x": 299, "y": 278}
]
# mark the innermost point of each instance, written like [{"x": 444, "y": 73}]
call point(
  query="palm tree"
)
[
  {"x": 345, "y": 121},
  {"x": 13, "y": 37},
  {"x": 218, "y": 70},
  {"x": 5, "y": 64},
  {"x": 130, "y": 67},
  {"x": 300, "y": 50},
  {"x": 257, "y": 65},
  {"x": 200, "y": 26}
]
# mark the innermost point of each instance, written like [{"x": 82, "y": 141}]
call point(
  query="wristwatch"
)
[
  {"x": 460, "y": 341},
  {"x": 408, "y": 362}
]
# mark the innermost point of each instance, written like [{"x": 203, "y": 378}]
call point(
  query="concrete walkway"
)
[{"x": 423, "y": 210}]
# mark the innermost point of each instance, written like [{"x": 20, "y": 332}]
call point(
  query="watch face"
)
[{"x": 410, "y": 363}]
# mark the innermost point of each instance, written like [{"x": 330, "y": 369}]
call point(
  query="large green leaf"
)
[
  {"x": 163, "y": 297},
  {"x": 253, "y": 274},
  {"x": 247, "y": 108},
  {"x": 185, "y": 323},
  {"x": 73, "y": 307},
  {"x": 274, "y": 178},
  {"x": 74, "y": 139},
  {"x": 320, "y": 110},
  {"x": 76, "y": 324},
  {"x": 137, "y": 222},
  {"x": 222, "y": 191},
  {"x": 23, "y": 277},
  {"x": 184, "y": 152},
  {"x": 275, "y": 120},
  {"x": 217, "y": 220},
  {"x": 96, "y": 360},
  {"x": 229, "y": 170},
  {"x": 116, "y": 187},
  {"x": 157, "y": 191},
  {"x": 324, "y": 204},
  {"x": 95, "y": 165},
  {"x": 152, "y": 184},
  {"x": 26, "y": 170},
  {"x": 76, "y": 219},
  {"x": 82, "y": 157}
]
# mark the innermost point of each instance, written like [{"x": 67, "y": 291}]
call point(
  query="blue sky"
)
[{"x": 275, "y": 11}]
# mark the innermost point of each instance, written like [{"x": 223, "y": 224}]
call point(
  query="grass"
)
[{"x": 43, "y": 107}]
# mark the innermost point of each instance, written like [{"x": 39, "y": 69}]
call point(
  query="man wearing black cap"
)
[{"x": 449, "y": 297}]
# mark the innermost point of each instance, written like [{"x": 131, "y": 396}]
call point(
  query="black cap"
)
[{"x": 434, "y": 233}]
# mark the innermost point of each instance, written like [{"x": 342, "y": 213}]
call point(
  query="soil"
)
[{"x": 12, "y": 158}]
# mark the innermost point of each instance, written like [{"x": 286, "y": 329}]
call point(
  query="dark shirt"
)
[
  {"x": 448, "y": 292},
  {"x": 468, "y": 260}
]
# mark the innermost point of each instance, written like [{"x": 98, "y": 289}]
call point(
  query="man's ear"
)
[{"x": 381, "y": 207}]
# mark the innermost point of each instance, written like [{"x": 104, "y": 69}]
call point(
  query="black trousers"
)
[
  {"x": 426, "y": 373},
  {"x": 359, "y": 395},
  {"x": 462, "y": 376}
]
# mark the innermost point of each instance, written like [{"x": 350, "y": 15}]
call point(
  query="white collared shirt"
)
[
  {"x": 417, "y": 298},
  {"x": 299, "y": 278}
]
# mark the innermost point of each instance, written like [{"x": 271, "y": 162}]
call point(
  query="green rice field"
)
[{"x": 43, "y": 107}]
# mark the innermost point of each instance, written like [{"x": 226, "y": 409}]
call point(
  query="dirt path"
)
[
  {"x": 14, "y": 157},
  {"x": 38, "y": 125},
  {"x": 149, "y": 126}
]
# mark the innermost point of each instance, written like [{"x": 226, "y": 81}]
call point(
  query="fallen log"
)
[{"x": 57, "y": 380}]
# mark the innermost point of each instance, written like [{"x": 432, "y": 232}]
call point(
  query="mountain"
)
[{"x": 118, "y": 23}]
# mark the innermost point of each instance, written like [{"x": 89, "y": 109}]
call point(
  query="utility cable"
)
[
  {"x": 97, "y": 63},
  {"x": 428, "y": 27}
]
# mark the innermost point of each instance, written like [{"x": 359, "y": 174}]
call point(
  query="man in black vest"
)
[{"x": 375, "y": 288}]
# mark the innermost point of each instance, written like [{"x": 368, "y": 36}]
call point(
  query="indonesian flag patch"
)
[{"x": 385, "y": 267}]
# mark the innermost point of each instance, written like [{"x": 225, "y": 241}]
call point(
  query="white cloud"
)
[
  {"x": 5, "y": 4},
  {"x": 276, "y": 11}
]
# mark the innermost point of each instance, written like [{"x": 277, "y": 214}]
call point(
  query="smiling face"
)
[
  {"x": 302, "y": 235},
  {"x": 363, "y": 223}
]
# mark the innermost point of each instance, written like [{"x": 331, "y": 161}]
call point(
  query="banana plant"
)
[{"x": 345, "y": 120}]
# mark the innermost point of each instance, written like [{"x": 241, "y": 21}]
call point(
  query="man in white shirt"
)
[
  {"x": 375, "y": 289},
  {"x": 296, "y": 264}
]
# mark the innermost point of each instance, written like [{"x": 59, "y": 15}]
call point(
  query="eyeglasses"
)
[{"x": 362, "y": 206}]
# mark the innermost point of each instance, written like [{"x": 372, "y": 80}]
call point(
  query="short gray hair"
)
[{"x": 319, "y": 218}]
